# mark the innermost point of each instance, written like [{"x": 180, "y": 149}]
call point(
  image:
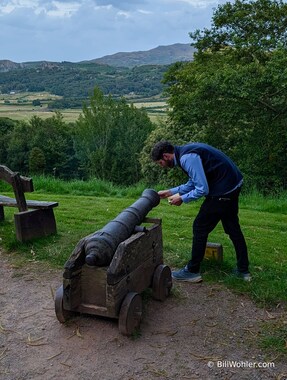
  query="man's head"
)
[{"x": 163, "y": 154}]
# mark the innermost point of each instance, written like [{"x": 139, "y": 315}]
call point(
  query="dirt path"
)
[{"x": 195, "y": 334}]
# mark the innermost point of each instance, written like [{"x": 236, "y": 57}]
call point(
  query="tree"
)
[
  {"x": 18, "y": 148},
  {"x": 36, "y": 103},
  {"x": 109, "y": 136},
  {"x": 37, "y": 161},
  {"x": 234, "y": 94},
  {"x": 258, "y": 25},
  {"x": 55, "y": 138},
  {"x": 6, "y": 127},
  {"x": 52, "y": 136}
]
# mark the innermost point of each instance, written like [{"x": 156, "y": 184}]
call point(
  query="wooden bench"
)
[{"x": 30, "y": 224}]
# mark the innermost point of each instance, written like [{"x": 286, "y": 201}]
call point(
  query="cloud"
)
[{"x": 86, "y": 29}]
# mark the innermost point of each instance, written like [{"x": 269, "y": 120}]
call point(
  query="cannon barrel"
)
[{"x": 101, "y": 246}]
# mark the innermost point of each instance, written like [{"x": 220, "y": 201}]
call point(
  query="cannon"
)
[
  {"x": 101, "y": 246},
  {"x": 109, "y": 269}
]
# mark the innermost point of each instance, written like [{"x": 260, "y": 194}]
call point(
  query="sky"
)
[{"x": 77, "y": 30}]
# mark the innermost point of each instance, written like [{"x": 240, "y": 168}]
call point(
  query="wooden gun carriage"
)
[{"x": 112, "y": 288}]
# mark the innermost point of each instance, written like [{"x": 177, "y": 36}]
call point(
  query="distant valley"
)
[{"x": 135, "y": 75}]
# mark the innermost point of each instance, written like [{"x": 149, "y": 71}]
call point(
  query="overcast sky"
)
[{"x": 76, "y": 30}]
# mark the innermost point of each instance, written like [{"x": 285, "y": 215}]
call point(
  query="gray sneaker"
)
[
  {"x": 185, "y": 275},
  {"x": 245, "y": 276}
]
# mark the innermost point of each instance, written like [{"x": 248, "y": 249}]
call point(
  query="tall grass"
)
[
  {"x": 259, "y": 202},
  {"x": 92, "y": 187}
]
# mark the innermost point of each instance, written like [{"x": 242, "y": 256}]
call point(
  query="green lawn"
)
[{"x": 78, "y": 216}]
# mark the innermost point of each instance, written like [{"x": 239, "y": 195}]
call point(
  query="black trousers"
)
[{"x": 213, "y": 210}]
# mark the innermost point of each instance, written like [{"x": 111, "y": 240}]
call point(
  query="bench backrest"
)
[{"x": 19, "y": 184}]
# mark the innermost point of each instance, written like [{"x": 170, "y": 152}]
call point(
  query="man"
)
[{"x": 212, "y": 175}]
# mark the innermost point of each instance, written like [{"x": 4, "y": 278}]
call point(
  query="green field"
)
[
  {"x": 19, "y": 106},
  {"x": 156, "y": 109}
]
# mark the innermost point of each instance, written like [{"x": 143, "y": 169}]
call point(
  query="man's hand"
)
[
  {"x": 164, "y": 194},
  {"x": 175, "y": 200}
]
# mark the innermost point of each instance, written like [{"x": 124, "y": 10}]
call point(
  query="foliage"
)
[
  {"x": 234, "y": 94},
  {"x": 151, "y": 172},
  {"x": 256, "y": 26},
  {"x": 6, "y": 126},
  {"x": 104, "y": 143},
  {"x": 108, "y": 138},
  {"x": 77, "y": 80},
  {"x": 65, "y": 103},
  {"x": 54, "y": 137},
  {"x": 51, "y": 136},
  {"x": 36, "y": 103},
  {"x": 18, "y": 148},
  {"x": 37, "y": 161}
]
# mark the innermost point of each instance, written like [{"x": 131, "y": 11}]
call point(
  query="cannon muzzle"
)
[{"x": 101, "y": 246}]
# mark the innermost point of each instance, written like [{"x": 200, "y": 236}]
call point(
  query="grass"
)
[
  {"x": 24, "y": 112},
  {"x": 85, "y": 207},
  {"x": 273, "y": 336}
]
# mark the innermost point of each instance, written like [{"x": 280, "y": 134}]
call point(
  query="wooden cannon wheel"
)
[
  {"x": 130, "y": 313},
  {"x": 162, "y": 282},
  {"x": 61, "y": 314}
]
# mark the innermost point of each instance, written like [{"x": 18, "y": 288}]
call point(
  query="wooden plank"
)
[
  {"x": 137, "y": 281},
  {"x": 94, "y": 310},
  {"x": 11, "y": 202},
  {"x": 93, "y": 285},
  {"x": 135, "y": 250},
  {"x": 34, "y": 224},
  {"x": 19, "y": 193},
  {"x": 7, "y": 175},
  {"x": 7, "y": 201},
  {"x": 72, "y": 291},
  {"x": 41, "y": 204},
  {"x": 27, "y": 184}
]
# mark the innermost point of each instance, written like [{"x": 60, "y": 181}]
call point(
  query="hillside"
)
[
  {"x": 162, "y": 55},
  {"x": 137, "y": 74},
  {"x": 78, "y": 80}
]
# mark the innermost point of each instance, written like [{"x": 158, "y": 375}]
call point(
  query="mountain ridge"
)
[{"x": 161, "y": 55}]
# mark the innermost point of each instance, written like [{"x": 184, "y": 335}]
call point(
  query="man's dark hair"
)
[{"x": 160, "y": 148}]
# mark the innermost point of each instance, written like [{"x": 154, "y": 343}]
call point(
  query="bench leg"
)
[
  {"x": 34, "y": 224},
  {"x": 2, "y": 216}
]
